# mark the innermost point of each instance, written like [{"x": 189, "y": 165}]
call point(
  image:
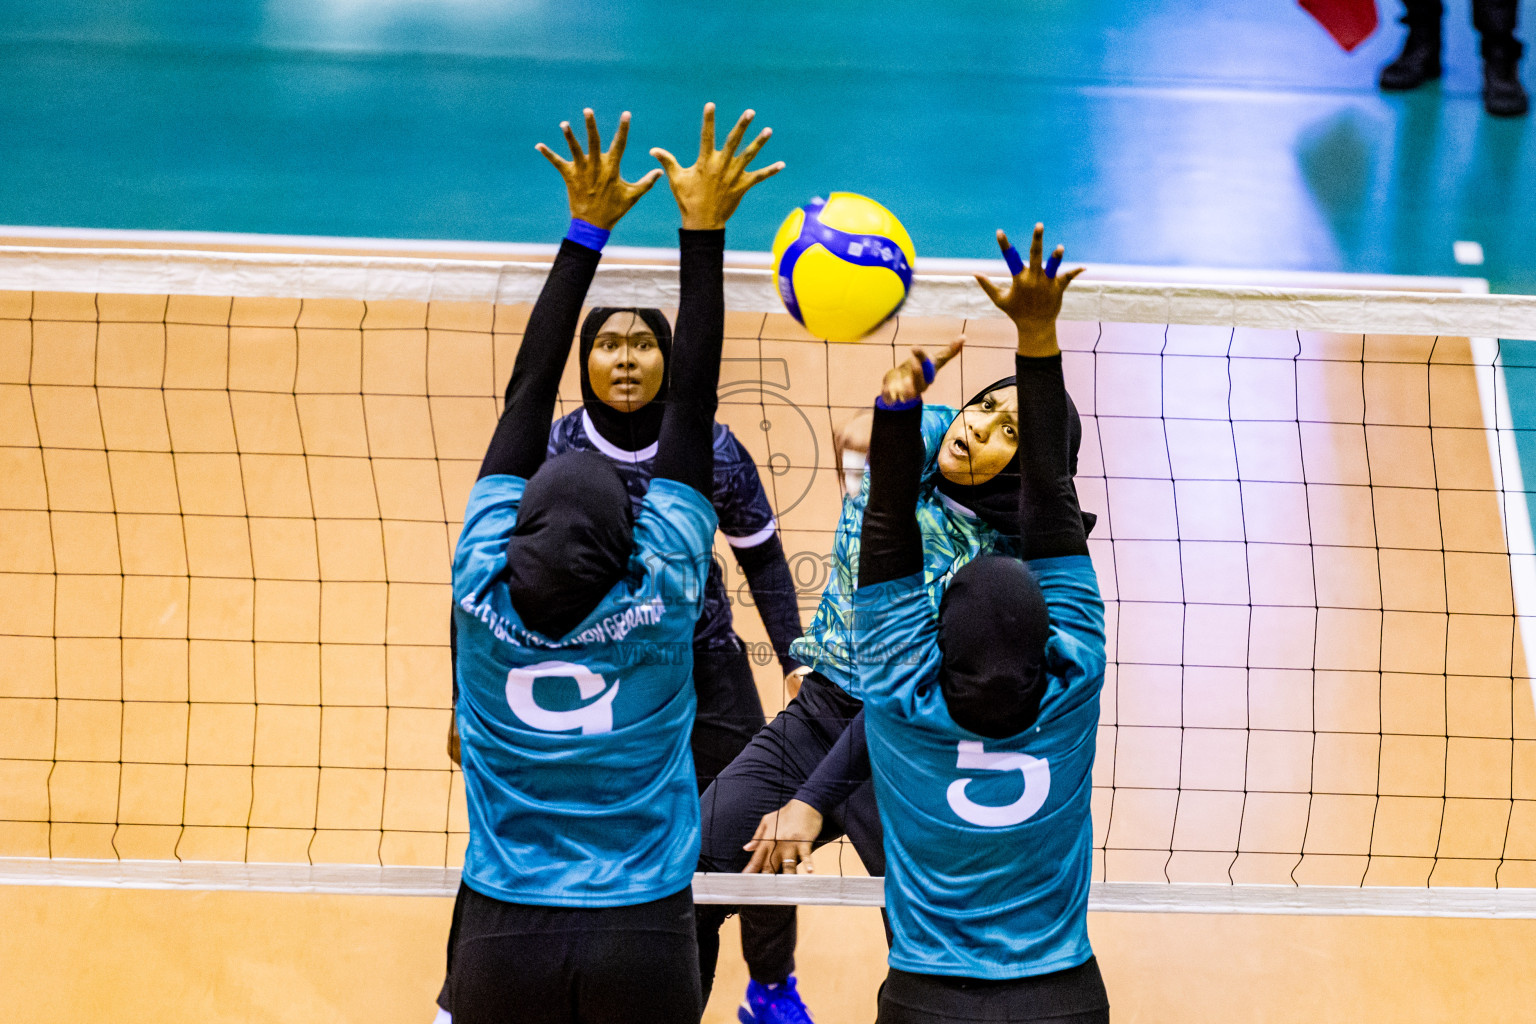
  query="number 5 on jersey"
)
[{"x": 1037, "y": 786}]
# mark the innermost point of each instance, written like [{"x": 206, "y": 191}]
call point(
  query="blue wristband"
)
[
  {"x": 881, "y": 403},
  {"x": 1014, "y": 260},
  {"x": 1052, "y": 265},
  {"x": 928, "y": 370},
  {"x": 589, "y": 235}
]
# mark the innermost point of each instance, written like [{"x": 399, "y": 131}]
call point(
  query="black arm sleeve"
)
[
  {"x": 685, "y": 452},
  {"x": 1049, "y": 518},
  {"x": 453, "y": 654},
  {"x": 891, "y": 543},
  {"x": 522, "y": 437},
  {"x": 773, "y": 591},
  {"x": 844, "y": 769}
]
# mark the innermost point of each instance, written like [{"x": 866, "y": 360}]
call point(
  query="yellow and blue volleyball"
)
[{"x": 843, "y": 265}]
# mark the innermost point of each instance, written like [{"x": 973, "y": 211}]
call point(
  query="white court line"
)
[
  {"x": 1509, "y": 482},
  {"x": 1468, "y": 254},
  {"x": 817, "y": 890}
]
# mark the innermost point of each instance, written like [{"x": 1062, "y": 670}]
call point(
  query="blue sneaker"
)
[{"x": 773, "y": 1004}]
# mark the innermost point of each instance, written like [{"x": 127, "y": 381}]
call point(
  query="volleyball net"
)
[{"x": 230, "y": 486}]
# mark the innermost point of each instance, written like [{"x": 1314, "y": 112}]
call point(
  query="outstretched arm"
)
[
  {"x": 707, "y": 193},
  {"x": 1049, "y": 517},
  {"x": 850, "y": 450},
  {"x": 845, "y": 768},
  {"x": 890, "y": 541},
  {"x": 748, "y": 522},
  {"x": 773, "y": 591},
  {"x": 598, "y": 196}
]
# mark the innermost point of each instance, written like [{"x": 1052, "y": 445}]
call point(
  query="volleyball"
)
[{"x": 843, "y": 265}]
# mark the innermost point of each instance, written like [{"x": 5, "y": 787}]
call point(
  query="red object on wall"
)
[{"x": 1351, "y": 22}]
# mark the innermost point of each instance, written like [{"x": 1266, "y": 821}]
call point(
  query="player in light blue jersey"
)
[
  {"x": 575, "y": 618},
  {"x": 981, "y": 718},
  {"x": 805, "y": 776}
]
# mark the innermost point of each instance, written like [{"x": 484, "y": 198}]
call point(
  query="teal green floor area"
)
[{"x": 1183, "y": 132}]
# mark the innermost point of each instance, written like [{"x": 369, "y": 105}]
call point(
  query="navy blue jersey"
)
[
  {"x": 988, "y": 842},
  {"x": 746, "y": 517},
  {"x": 577, "y": 766}
]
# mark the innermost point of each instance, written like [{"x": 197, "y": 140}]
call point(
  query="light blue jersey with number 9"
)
[
  {"x": 577, "y": 765},
  {"x": 988, "y": 843}
]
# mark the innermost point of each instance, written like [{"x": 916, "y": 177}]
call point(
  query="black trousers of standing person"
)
[
  {"x": 1495, "y": 21},
  {"x": 1073, "y": 996},
  {"x": 765, "y": 776},
  {"x": 730, "y": 712},
  {"x": 511, "y": 963}
]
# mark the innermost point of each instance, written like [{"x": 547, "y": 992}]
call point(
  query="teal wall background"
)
[{"x": 1194, "y": 132}]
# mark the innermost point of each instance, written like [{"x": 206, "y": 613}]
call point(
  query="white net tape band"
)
[
  {"x": 811, "y": 890},
  {"x": 261, "y": 275}
]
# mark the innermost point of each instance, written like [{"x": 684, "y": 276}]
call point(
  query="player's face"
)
[
  {"x": 626, "y": 364},
  {"x": 982, "y": 439}
]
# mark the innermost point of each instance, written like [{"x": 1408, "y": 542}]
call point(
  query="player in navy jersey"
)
[
  {"x": 624, "y": 351},
  {"x": 981, "y": 718},
  {"x": 574, "y": 617},
  {"x": 622, "y": 356}
]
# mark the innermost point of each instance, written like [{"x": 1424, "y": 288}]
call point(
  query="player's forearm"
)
[
  {"x": 773, "y": 591},
  {"x": 686, "y": 452},
  {"x": 890, "y": 541},
  {"x": 1049, "y": 517},
  {"x": 845, "y": 768},
  {"x": 453, "y": 654},
  {"x": 522, "y": 436}
]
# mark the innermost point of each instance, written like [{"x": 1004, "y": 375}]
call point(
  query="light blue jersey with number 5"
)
[
  {"x": 988, "y": 843},
  {"x": 577, "y": 767}
]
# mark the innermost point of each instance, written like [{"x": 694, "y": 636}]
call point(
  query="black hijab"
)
[
  {"x": 996, "y": 501},
  {"x": 571, "y": 544},
  {"x": 993, "y": 626},
  {"x": 630, "y": 431}
]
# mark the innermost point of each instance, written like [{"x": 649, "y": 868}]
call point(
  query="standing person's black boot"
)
[
  {"x": 1418, "y": 63},
  {"x": 1503, "y": 95}
]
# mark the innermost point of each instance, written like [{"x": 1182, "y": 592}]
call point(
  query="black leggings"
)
[
  {"x": 1073, "y": 996},
  {"x": 765, "y": 776},
  {"x": 730, "y": 711},
  {"x": 1495, "y": 21},
  {"x": 518, "y": 964}
]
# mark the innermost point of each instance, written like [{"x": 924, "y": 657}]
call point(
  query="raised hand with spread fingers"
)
[
  {"x": 1033, "y": 298},
  {"x": 709, "y": 191},
  {"x": 597, "y": 191}
]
